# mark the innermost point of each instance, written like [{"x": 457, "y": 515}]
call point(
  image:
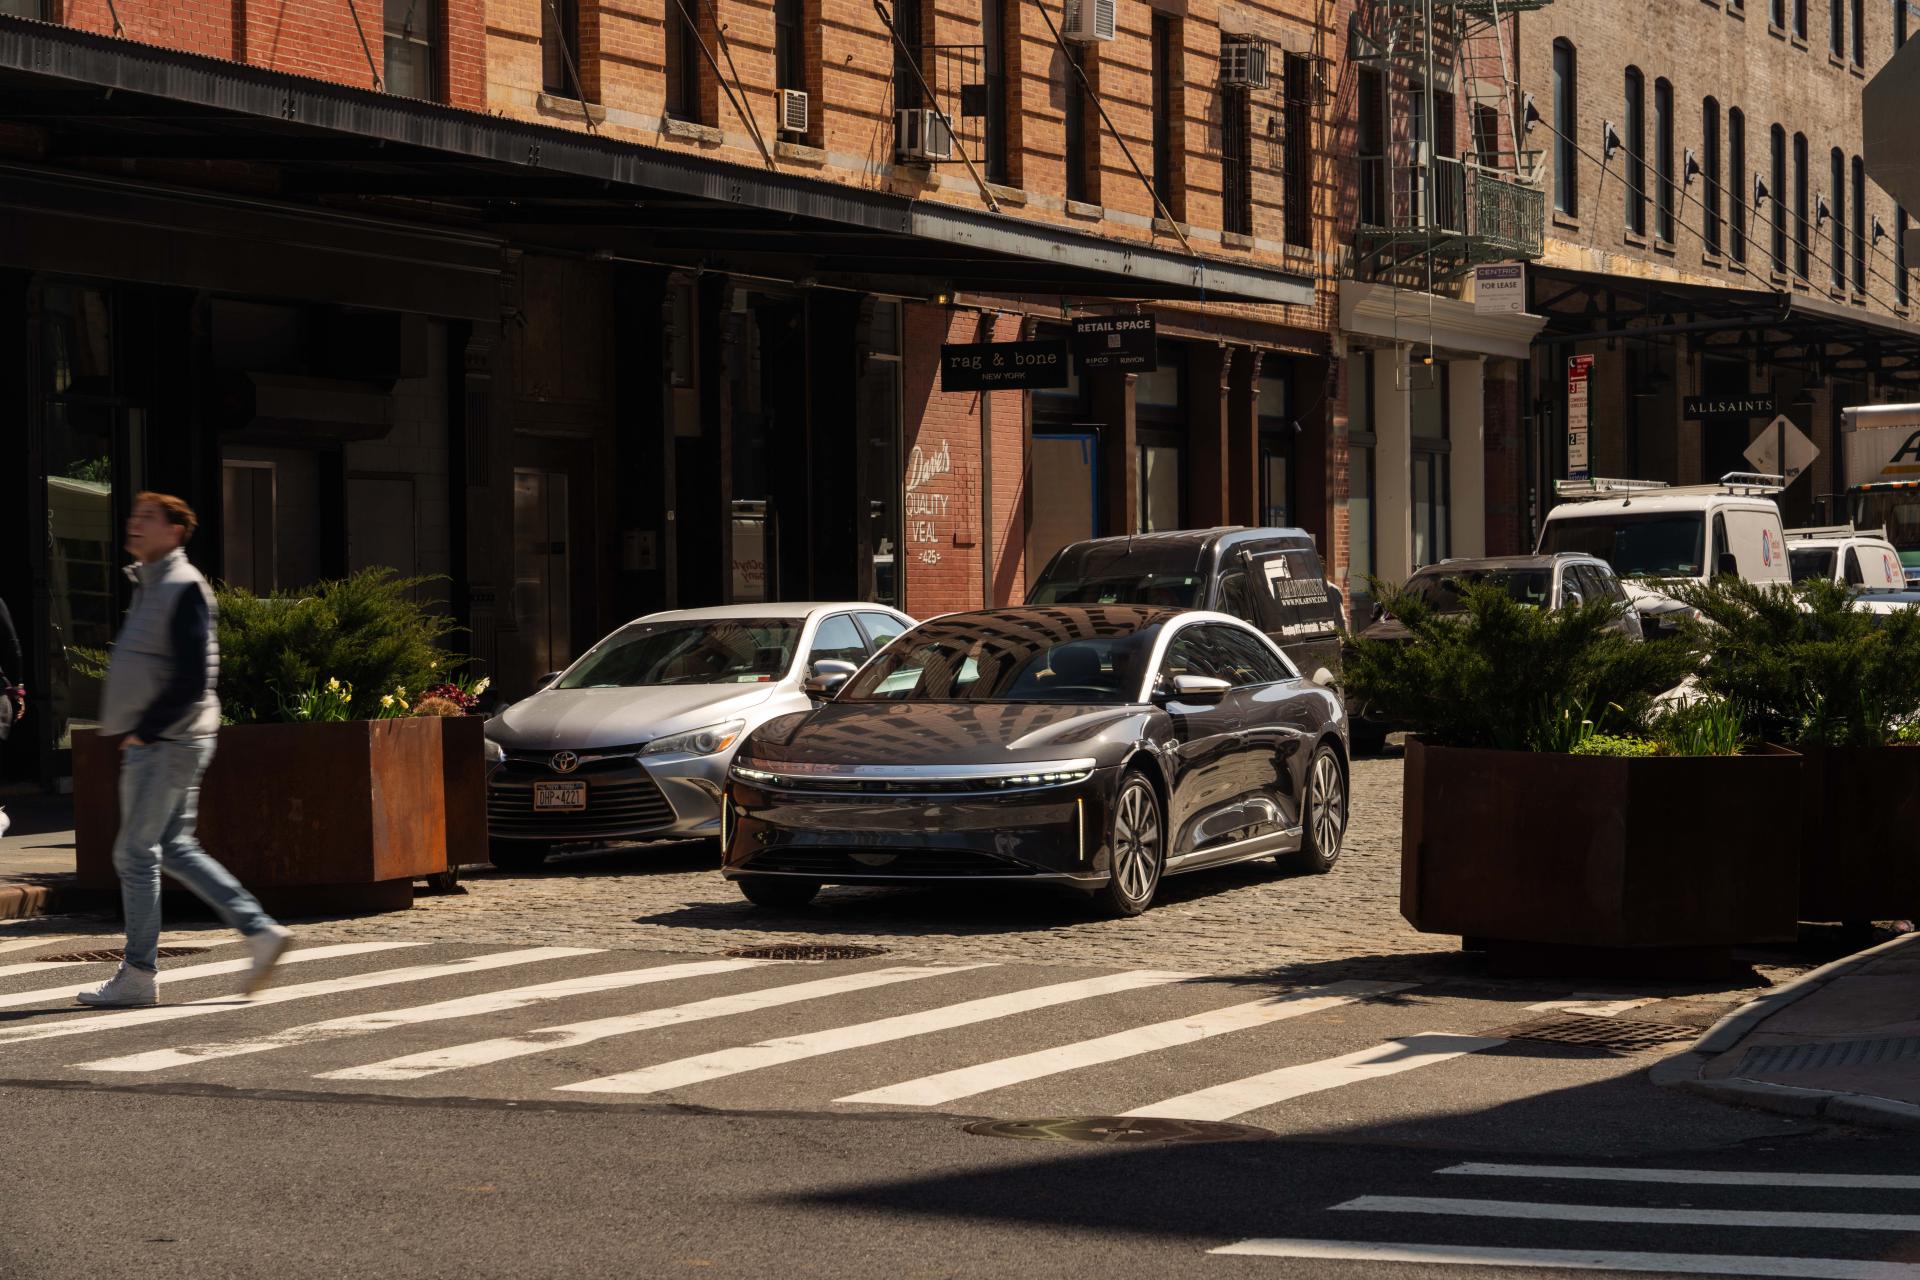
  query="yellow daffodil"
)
[
  {"x": 386, "y": 700},
  {"x": 334, "y": 684},
  {"x": 482, "y": 686}
]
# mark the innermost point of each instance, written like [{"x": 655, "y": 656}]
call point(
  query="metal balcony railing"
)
[{"x": 1454, "y": 212}]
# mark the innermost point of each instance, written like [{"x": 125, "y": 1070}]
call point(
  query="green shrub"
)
[
  {"x": 1805, "y": 668},
  {"x": 370, "y": 632},
  {"x": 1707, "y": 726},
  {"x": 1608, "y": 744},
  {"x": 1508, "y": 675}
]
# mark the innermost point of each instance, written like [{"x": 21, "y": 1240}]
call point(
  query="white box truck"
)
[{"x": 1882, "y": 450}]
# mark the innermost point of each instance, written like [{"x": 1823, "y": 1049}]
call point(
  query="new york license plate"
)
[{"x": 559, "y": 795}]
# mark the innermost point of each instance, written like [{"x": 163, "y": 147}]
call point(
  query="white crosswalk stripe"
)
[
  {"x": 727, "y": 1062},
  {"x": 281, "y": 995},
  {"x": 1224, "y": 1101},
  {"x": 28, "y": 944},
  {"x": 1765, "y": 1218},
  {"x": 461, "y": 1007},
  {"x": 1692, "y": 1177},
  {"x": 25, "y": 967},
  {"x": 211, "y": 969},
  {"x": 965, "y": 1082},
  {"x": 1694, "y": 1264},
  {"x": 481, "y": 1053}
]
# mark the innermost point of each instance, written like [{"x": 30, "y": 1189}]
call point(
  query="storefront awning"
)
[{"x": 90, "y": 102}]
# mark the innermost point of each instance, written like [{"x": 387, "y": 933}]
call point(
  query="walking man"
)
[{"x": 160, "y": 696}]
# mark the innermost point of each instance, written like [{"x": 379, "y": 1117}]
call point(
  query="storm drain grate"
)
[
  {"x": 804, "y": 951},
  {"x": 1115, "y": 1129},
  {"x": 1621, "y": 1034},
  {"x": 114, "y": 953},
  {"x": 1780, "y": 1059}
]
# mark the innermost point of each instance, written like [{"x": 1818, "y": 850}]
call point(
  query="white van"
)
[
  {"x": 1652, "y": 532},
  {"x": 1862, "y": 558}
]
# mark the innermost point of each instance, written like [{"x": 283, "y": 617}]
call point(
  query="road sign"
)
[
  {"x": 1764, "y": 453},
  {"x": 998, "y": 366},
  {"x": 1579, "y": 375},
  {"x": 1115, "y": 342},
  {"x": 1500, "y": 288}
]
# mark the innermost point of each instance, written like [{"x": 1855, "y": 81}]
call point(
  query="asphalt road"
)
[{"x": 415, "y": 1110}]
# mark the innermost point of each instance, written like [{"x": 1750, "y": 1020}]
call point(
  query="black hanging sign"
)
[
  {"x": 1115, "y": 342},
  {"x": 1694, "y": 408},
  {"x": 1000, "y": 366}
]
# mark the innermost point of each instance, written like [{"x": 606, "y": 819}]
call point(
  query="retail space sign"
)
[
  {"x": 1500, "y": 288},
  {"x": 1694, "y": 408},
  {"x": 1579, "y": 375},
  {"x": 1777, "y": 437},
  {"x": 1115, "y": 342},
  {"x": 1002, "y": 366}
]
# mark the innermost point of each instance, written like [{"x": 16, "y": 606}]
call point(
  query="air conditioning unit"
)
[
  {"x": 921, "y": 136},
  {"x": 1243, "y": 64},
  {"x": 1089, "y": 21},
  {"x": 793, "y": 111}
]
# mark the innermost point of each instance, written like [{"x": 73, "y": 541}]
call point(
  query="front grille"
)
[
  {"x": 628, "y": 804},
  {"x": 885, "y": 862}
]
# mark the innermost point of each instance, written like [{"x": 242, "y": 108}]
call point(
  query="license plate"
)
[{"x": 559, "y": 795}]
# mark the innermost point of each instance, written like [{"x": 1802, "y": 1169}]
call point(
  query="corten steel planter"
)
[
  {"x": 1860, "y": 858},
  {"x": 1590, "y": 864},
  {"x": 314, "y": 818}
]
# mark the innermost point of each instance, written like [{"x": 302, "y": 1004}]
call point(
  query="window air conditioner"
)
[
  {"x": 922, "y": 137},
  {"x": 1243, "y": 64},
  {"x": 793, "y": 111},
  {"x": 1089, "y": 21}
]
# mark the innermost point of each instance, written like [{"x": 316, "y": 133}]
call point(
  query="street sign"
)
[
  {"x": 1579, "y": 375},
  {"x": 1115, "y": 342},
  {"x": 1693, "y": 408},
  {"x": 1500, "y": 288},
  {"x": 999, "y": 366},
  {"x": 1764, "y": 452}
]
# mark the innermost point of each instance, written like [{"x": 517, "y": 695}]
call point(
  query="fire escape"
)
[{"x": 1431, "y": 205}]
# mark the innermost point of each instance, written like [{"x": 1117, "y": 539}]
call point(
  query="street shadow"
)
[{"x": 39, "y": 815}]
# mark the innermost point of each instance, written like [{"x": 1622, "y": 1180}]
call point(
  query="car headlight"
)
[
  {"x": 698, "y": 742},
  {"x": 492, "y": 752}
]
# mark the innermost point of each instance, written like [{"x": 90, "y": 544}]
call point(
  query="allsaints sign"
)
[{"x": 1696, "y": 407}]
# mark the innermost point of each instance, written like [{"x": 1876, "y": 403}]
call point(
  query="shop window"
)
[
  {"x": 248, "y": 555},
  {"x": 1065, "y": 479},
  {"x": 560, "y": 46},
  {"x": 1431, "y": 478},
  {"x": 412, "y": 48},
  {"x": 1298, "y": 153},
  {"x": 1566, "y": 126},
  {"x": 1276, "y": 452},
  {"x": 1161, "y": 488},
  {"x": 1168, "y": 104},
  {"x": 1160, "y": 425},
  {"x": 1665, "y": 193},
  {"x": 686, "y": 62},
  {"x": 880, "y": 427},
  {"x": 1710, "y": 166},
  {"x": 1737, "y": 184},
  {"x": 1636, "y": 152}
]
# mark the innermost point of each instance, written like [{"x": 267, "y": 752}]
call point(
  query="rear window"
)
[
  {"x": 1439, "y": 589},
  {"x": 1811, "y": 563},
  {"x": 1111, "y": 573}
]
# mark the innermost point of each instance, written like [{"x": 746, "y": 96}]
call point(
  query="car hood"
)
[
  {"x": 1645, "y": 597},
  {"x": 585, "y": 718},
  {"x": 943, "y": 733}
]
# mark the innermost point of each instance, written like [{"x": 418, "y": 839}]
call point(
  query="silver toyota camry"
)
[{"x": 633, "y": 740}]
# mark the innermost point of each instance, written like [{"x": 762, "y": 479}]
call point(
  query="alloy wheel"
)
[
  {"x": 1327, "y": 800},
  {"x": 1136, "y": 842}
]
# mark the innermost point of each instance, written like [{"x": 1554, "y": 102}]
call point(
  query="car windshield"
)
[
  {"x": 1436, "y": 587},
  {"x": 1812, "y": 562},
  {"x": 1168, "y": 590},
  {"x": 705, "y": 651},
  {"x": 1668, "y": 545},
  {"x": 983, "y": 660}
]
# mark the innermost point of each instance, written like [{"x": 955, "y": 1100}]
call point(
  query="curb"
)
[
  {"x": 1683, "y": 1071},
  {"x": 25, "y": 901}
]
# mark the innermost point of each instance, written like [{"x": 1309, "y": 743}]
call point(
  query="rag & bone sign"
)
[{"x": 995, "y": 366}]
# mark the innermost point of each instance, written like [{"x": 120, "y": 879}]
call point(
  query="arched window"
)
[
  {"x": 1737, "y": 184},
  {"x": 1802, "y": 252},
  {"x": 1636, "y": 152},
  {"x": 1837, "y": 181},
  {"x": 1710, "y": 172},
  {"x": 1665, "y": 196},
  {"x": 1566, "y": 124},
  {"x": 1859, "y": 48}
]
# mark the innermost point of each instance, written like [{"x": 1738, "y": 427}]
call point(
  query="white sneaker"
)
[
  {"x": 267, "y": 946},
  {"x": 127, "y": 989}
]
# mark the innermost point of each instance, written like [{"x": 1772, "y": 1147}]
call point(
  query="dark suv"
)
[{"x": 1272, "y": 578}]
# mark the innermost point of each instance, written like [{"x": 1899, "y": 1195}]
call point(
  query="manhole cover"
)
[
  {"x": 1776, "y": 1060},
  {"x": 804, "y": 951},
  {"x": 1621, "y": 1034},
  {"x": 113, "y": 953},
  {"x": 1115, "y": 1129}
]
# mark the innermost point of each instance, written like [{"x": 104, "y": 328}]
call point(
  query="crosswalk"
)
[
  {"x": 1632, "y": 1215},
  {"x": 429, "y": 1019}
]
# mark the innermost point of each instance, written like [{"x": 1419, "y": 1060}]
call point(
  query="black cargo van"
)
[{"x": 1272, "y": 578}]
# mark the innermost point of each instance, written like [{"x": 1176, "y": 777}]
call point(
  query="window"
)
[
  {"x": 1664, "y": 192},
  {"x": 26, "y": 9},
  {"x": 1236, "y": 158},
  {"x": 908, "y": 53},
  {"x": 789, "y": 45},
  {"x": 1802, "y": 253},
  {"x": 1859, "y": 44},
  {"x": 1837, "y": 180},
  {"x": 1710, "y": 171},
  {"x": 1160, "y": 488},
  {"x": 1486, "y": 135},
  {"x": 838, "y": 640},
  {"x": 1636, "y": 149},
  {"x": 1859, "y": 225},
  {"x": 1837, "y": 27},
  {"x": 1900, "y": 256},
  {"x": 1432, "y": 464},
  {"x": 1899, "y": 23},
  {"x": 1566, "y": 124},
  {"x": 412, "y": 48},
  {"x": 993, "y": 35},
  {"x": 560, "y": 46},
  {"x": 881, "y": 628},
  {"x": 1082, "y": 128},
  {"x": 1167, "y": 113},
  {"x": 1778, "y": 199},
  {"x": 1800, "y": 18},
  {"x": 1777, "y": 14},
  {"x": 1276, "y": 451},
  {"x": 684, "y": 57},
  {"x": 1246, "y": 662},
  {"x": 1298, "y": 153},
  {"x": 1737, "y": 184},
  {"x": 1372, "y": 141},
  {"x": 1360, "y": 446}
]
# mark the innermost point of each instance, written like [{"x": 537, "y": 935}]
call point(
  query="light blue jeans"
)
[{"x": 159, "y": 800}]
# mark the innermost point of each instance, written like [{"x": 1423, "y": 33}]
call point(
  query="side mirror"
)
[
  {"x": 1324, "y": 678},
  {"x": 1192, "y": 688},
  {"x": 825, "y": 677},
  {"x": 545, "y": 680},
  {"x": 1728, "y": 565}
]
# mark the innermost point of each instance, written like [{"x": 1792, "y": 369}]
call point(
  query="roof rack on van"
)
[
  {"x": 1815, "y": 532},
  {"x": 1745, "y": 483},
  {"x": 1602, "y": 487},
  {"x": 1753, "y": 482}
]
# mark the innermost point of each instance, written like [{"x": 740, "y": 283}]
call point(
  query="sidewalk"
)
[
  {"x": 1841, "y": 1043},
  {"x": 36, "y": 857}
]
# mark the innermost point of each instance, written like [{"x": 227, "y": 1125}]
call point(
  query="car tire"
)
[
  {"x": 1136, "y": 840},
  {"x": 517, "y": 855},
  {"x": 1323, "y": 824},
  {"x": 778, "y": 893}
]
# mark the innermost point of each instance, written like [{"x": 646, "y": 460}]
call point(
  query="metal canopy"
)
[
  {"x": 1812, "y": 334},
  {"x": 92, "y": 103}
]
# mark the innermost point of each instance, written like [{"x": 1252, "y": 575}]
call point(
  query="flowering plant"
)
[
  {"x": 328, "y": 701},
  {"x": 462, "y": 692}
]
